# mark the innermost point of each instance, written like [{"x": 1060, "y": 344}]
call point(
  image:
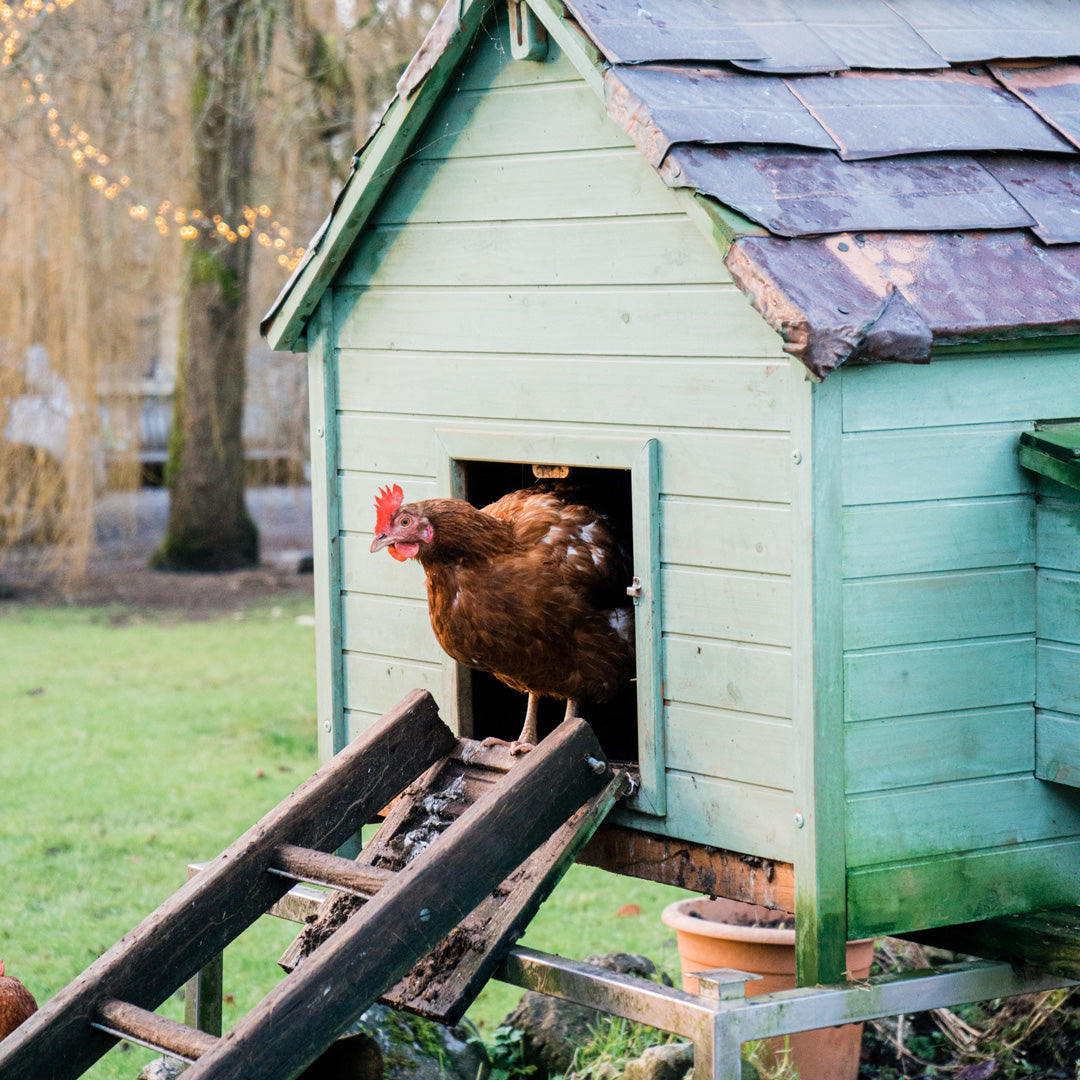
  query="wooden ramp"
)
[{"x": 425, "y": 882}]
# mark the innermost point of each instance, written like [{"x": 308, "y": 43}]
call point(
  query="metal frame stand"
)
[{"x": 719, "y": 1019}]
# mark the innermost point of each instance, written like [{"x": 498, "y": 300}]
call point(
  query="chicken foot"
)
[{"x": 528, "y": 737}]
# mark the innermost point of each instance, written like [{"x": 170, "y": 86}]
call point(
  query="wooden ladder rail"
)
[{"x": 407, "y": 916}]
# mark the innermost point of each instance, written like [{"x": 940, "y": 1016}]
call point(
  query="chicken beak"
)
[{"x": 380, "y": 541}]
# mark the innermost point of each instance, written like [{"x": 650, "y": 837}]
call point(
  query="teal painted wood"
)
[
  {"x": 1059, "y": 533},
  {"x": 326, "y": 533},
  {"x": 367, "y": 621},
  {"x": 962, "y": 888},
  {"x": 363, "y": 572},
  {"x": 941, "y": 677},
  {"x": 629, "y": 321},
  {"x": 727, "y": 464},
  {"x": 597, "y": 183},
  {"x": 491, "y": 69},
  {"x": 647, "y": 391},
  {"x": 739, "y": 817},
  {"x": 992, "y": 388},
  {"x": 1059, "y": 606},
  {"x": 913, "y": 538},
  {"x": 818, "y": 678},
  {"x": 938, "y": 748},
  {"x": 658, "y": 250},
  {"x": 728, "y": 675},
  {"x": 727, "y": 536},
  {"x": 939, "y": 607},
  {"x": 968, "y": 816},
  {"x": 1057, "y": 748},
  {"x": 940, "y": 463},
  {"x": 737, "y": 607},
  {"x": 374, "y": 684},
  {"x": 1059, "y": 677},
  {"x": 754, "y": 749}
]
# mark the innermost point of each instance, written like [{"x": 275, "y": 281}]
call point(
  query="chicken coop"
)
[{"x": 795, "y": 289}]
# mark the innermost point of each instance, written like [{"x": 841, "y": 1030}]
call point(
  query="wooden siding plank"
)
[
  {"x": 372, "y": 681},
  {"x": 1059, "y": 534},
  {"x": 1057, "y": 748},
  {"x": 598, "y": 183},
  {"x": 727, "y": 465},
  {"x": 618, "y": 251},
  {"x": 366, "y": 620},
  {"x": 991, "y": 388},
  {"x": 739, "y": 817},
  {"x": 962, "y": 888},
  {"x": 753, "y": 749},
  {"x": 705, "y": 320},
  {"x": 1059, "y": 606},
  {"x": 726, "y": 675},
  {"x": 1058, "y": 677},
  {"x": 940, "y": 819},
  {"x": 913, "y": 538},
  {"x": 907, "y": 466},
  {"x": 536, "y": 119},
  {"x": 727, "y": 536},
  {"x": 737, "y": 607},
  {"x": 494, "y": 68},
  {"x": 938, "y": 748},
  {"x": 938, "y": 607},
  {"x": 358, "y": 491},
  {"x": 671, "y": 392},
  {"x": 363, "y": 572},
  {"x": 939, "y": 678},
  {"x": 397, "y": 446}
]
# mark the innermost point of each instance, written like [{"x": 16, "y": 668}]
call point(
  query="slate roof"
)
[{"x": 909, "y": 170}]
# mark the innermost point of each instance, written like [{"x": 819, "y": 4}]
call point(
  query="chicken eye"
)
[{"x": 406, "y": 521}]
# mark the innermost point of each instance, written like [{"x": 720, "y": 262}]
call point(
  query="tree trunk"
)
[{"x": 209, "y": 527}]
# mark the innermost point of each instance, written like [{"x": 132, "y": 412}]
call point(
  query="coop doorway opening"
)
[{"x": 488, "y": 708}]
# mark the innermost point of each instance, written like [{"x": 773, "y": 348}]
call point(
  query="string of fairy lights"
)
[{"x": 258, "y": 224}]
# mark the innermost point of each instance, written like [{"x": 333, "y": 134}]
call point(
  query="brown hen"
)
[
  {"x": 532, "y": 588},
  {"x": 16, "y": 1003}
]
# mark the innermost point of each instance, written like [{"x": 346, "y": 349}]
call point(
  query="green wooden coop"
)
[{"x": 798, "y": 286}]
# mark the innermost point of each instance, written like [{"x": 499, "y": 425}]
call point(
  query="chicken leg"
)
[{"x": 529, "y": 734}]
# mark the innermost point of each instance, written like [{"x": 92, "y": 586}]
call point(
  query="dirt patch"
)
[{"x": 128, "y": 526}]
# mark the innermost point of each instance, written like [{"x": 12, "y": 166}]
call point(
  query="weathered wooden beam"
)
[
  {"x": 703, "y": 869},
  {"x": 320, "y": 868},
  {"x": 1045, "y": 940},
  {"x": 157, "y": 1032},
  {"x": 315, "y": 1003},
  {"x": 201, "y": 918}
]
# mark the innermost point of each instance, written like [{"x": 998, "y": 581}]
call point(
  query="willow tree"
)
[{"x": 209, "y": 525}]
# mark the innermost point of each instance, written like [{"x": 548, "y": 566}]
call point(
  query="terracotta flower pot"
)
[{"x": 721, "y": 934}]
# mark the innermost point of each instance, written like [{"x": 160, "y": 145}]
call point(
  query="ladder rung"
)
[
  {"x": 319, "y": 868},
  {"x": 155, "y": 1032}
]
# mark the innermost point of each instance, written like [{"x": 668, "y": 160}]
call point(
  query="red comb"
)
[{"x": 386, "y": 504}]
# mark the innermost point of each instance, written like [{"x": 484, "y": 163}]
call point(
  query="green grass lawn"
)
[{"x": 132, "y": 744}]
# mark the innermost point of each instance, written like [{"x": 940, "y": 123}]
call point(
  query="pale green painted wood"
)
[
  {"x": 401, "y": 447},
  {"x": 326, "y": 525},
  {"x": 727, "y": 536},
  {"x": 818, "y": 683},
  {"x": 753, "y": 749},
  {"x": 517, "y": 120},
  {"x": 938, "y": 748},
  {"x": 963, "y": 888},
  {"x": 939, "y": 678},
  {"x": 658, "y": 250},
  {"x": 1058, "y": 677},
  {"x": 725, "y": 675},
  {"x": 702, "y": 320},
  {"x": 966, "y": 816},
  {"x": 727, "y": 464},
  {"x": 599, "y": 183},
  {"x": 987, "y": 389},
  {"x": 913, "y": 538},
  {"x": 739, "y": 817},
  {"x": 938, "y": 607},
  {"x": 1059, "y": 534},
  {"x": 358, "y": 492},
  {"x": 378, "y": 573},
  {"x": 496, "y": 68},
  {"x": 369, "y": 621},
  {"x": 562, "y": 28},
  {"x": 949, "y": 463},
  {"x": 698, "y": 393},
  {"x": 734, "y": 606},
  {"x": 1057, "y": 748},
  {"x": 375, "y": 684},
  {"x": 1059, "y": 606}
]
